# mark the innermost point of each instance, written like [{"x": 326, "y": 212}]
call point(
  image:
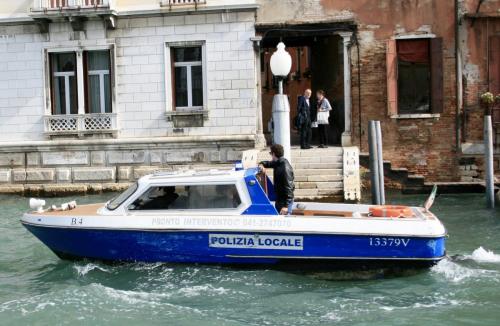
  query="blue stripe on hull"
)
[{"x": 193, "y": 247}]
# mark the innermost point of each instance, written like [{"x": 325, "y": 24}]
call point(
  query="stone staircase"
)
[{"x": 318, "y": 172}]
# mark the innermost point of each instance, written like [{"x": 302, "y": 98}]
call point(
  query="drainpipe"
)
[{"x": 458, "y": 81}]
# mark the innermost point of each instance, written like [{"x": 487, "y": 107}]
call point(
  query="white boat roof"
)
[{"x": 192, "y": 176}]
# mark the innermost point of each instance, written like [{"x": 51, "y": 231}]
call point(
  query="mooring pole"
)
[
  {"x": 374, "y": 166},
  {"x": 380, "y": 158},
  {"x": 488, "y": 158}
]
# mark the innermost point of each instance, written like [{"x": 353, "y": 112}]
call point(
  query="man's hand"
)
[
  {"x": 262, "y": 168},
  {"x": 284, "y": 211}
]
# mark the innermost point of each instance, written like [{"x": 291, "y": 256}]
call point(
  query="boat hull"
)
[{"x": 239, "y": 248}]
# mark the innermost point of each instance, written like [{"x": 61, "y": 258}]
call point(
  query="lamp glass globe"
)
[{"x": 281, "y": 61}]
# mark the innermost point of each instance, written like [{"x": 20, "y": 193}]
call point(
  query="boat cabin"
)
[{"x": 228, "y": 192}]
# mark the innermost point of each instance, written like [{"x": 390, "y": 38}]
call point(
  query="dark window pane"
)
[
  {"x": 59, "y": 95},
  {"x": 107, "y": 94},
  {"x": 63, "y": 62},
  {"x": 413, "y": 88},
  {"x": 187, "y": 54},
  {"x": 73, "y": 93},
  {"x": 64, "y": 83},
  {"x": 98, "y": 60},
  {"x": 197, "y": 85},
  {"x": 181, "y": 95},
  {"x": 93, "y": 94},
  {"x": 188, "y": 197}
]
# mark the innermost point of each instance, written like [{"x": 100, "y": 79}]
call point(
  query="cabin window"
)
[
  {"x": 184, "y": 197},
  {"x": 118, "y": 200}
]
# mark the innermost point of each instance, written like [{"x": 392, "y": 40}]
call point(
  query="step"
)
[
  {"x": 319, "y": 185},
  {"x": 317, "y": 165},
  {"x": 332, "y": 198},
  {"x": 308, "y": 172},
  {"x": 318, "y": 159},
  {"x": 315, "y": 178},
  {"x": 317, "y": 151},
  {"x": 316, "y": 192},
  {"x": 319, "y": 178}
]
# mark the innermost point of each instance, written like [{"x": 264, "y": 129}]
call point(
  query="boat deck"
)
[{"x": 88, "y": 209}]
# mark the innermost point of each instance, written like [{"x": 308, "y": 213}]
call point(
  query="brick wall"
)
[{"x": 426, "y": 145}]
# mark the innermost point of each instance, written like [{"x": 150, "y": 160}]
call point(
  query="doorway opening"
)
[{"x": 317, "y": 63}]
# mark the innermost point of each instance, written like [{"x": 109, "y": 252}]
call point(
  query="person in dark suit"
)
[{"x": 304, "y": 119}]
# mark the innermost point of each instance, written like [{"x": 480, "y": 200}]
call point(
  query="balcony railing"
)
[
  {"x": 80, "y": 123},
  {"x": 181, "y": 3},
  {"x": 68, "y": 4}
]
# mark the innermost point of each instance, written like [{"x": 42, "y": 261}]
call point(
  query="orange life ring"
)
[{"x": 390, "y": 211}]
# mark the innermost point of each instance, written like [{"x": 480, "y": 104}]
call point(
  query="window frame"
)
[
  {"x": 80, "y": 75},
  {"x": 170, "y": 75},
  {"x": 66, "y": 75},
  {"x": 392, "y": 77},
  {"x": 101, "y": 73},
  {"x": 134, "y": 186},
  {"x": 413, "y": 67}
]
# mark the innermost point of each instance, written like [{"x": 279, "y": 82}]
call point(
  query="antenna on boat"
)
[{"x": 430, "y": 200}]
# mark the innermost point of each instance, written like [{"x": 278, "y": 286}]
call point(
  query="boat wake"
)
[
  {"x": 482, "y": 255},
  {"x": 455, "y": 272},
  {"x": 83, "y": 270}
]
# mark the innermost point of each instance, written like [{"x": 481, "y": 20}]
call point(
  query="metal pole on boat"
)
[
  {"x": 488, "y": 151},
  {"x": 380, "y": 158},
  {"x": 374, "y": 166}
]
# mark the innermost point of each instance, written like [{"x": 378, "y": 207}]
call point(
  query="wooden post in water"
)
[
  {"x": 374, "y": 165},
  {"x": 380, "y": 158},
  {"x": 488, "y": 160}
]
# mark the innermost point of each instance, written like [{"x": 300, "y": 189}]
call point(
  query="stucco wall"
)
[{"x": 140, "y": 67}]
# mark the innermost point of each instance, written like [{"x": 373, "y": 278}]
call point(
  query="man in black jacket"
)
[
  {"x": 282, "y": 178},
  {"x": 304, "y": 119}
]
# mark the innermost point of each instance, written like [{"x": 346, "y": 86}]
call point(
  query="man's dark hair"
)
[
  {"x": 278, "y": 150},
  {"x": 320, "y": 91}
]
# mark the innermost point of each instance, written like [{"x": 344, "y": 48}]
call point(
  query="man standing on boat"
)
[{"x": 282, "y": 178}]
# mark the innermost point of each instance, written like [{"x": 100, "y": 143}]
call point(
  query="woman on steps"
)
[{"x": 322, "y": 117}]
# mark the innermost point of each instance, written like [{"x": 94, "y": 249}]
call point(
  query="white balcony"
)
[
  {"x": 68, "y": 4},
  {"x": 180, "y": 4},
  {"x": 80, "y": 124}
]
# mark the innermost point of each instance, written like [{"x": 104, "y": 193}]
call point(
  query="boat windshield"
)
[{"x": 118, "y": 200}]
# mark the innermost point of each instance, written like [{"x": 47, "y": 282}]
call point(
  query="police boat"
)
[{"x": 228, "y": 217}]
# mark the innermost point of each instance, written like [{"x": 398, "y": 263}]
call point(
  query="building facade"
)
[
  {"x": 98, "y": 90},
  {"x": 417, "y": 66},
  {"x": 108, "y": 90}
]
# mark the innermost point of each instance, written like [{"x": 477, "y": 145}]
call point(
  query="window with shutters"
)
[{"x": 414, "y": 76}]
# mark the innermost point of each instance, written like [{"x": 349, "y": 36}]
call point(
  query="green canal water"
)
[{"x": 37, "y": 288}]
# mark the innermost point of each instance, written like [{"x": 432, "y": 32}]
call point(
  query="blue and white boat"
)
[{"x": 228, "y": 217}]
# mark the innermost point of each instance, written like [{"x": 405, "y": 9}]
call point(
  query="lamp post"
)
[{"x": 281, "y": 63}]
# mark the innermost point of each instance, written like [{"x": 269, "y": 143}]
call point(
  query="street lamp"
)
[{"x": 281, "y": 63}]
